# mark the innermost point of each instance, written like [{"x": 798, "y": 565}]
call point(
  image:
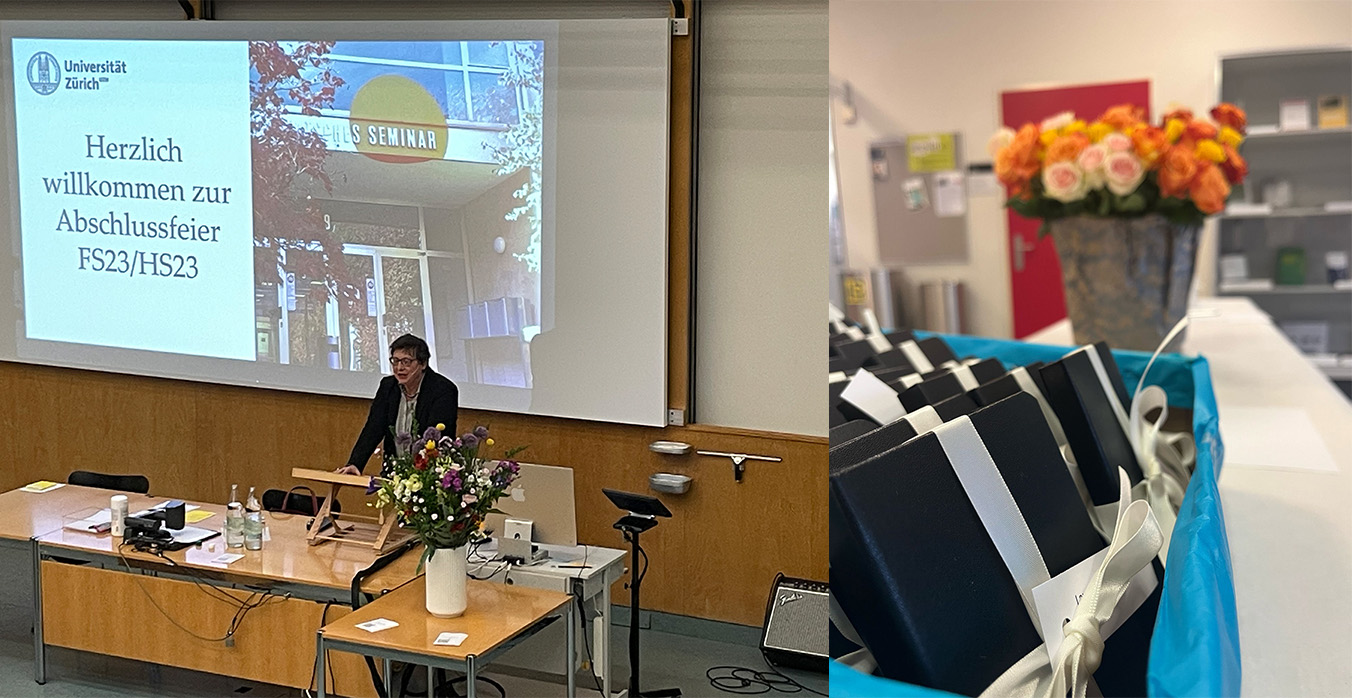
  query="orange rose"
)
[
  {"x": 1184, "y": 115},
  {"x": 1177, "y": 168},
  {"x": 1227, "y": 114},
  {"x": 1122, "y": 116},
  {"x": 1017, "y": 162},
  {"x": 1067, "y": 148},
  {"x": 1234, "y": 166},
  {"x": 1209, "y": 189},
  {"x": 1200, "y": 131},
  {"x": 1149, "y": 142}
]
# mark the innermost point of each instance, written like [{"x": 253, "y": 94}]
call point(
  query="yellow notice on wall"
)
[{"x": 931, "y": 152}]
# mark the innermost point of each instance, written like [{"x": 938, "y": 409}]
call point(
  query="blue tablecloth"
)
[{"x": 1195, "y": 648}]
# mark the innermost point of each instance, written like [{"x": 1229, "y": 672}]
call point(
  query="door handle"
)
[{"x": 1020, "y": 249}]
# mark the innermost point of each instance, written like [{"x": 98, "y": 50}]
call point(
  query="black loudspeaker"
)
[{"x": 797, "y": 618}]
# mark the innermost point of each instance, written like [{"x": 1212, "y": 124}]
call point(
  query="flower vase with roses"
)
[
  {"x": 442, "y": 488},
  {"x": 1124, "y": 200}
]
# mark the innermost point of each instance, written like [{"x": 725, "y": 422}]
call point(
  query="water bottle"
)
[
  {"x": 234, "y": 525},
  {"x": 253, "y": 530}
]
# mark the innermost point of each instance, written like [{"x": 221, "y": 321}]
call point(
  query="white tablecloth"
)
[{"x": 1290, "y": 529}]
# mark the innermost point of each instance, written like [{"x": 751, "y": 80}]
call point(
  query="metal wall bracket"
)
[
  {"x": 739, "y": 461},
  {"x": 680, "y": 27}
]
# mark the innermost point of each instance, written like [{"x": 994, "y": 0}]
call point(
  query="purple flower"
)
[
  {"x": 447, "y": 479},
  {"x": 431, "y": 434},
  {"x": 371, "y": 486},
  {"x": 403, "y": 441},
  {"x": 470, "y": 440},
  {"x": 481, "y": 432}
]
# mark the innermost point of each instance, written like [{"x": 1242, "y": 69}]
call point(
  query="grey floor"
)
[{"x": 676, "y": 652}]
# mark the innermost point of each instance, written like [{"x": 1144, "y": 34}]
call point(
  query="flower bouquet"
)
[
  {"x": 1124, "y": 201},
  {"x": 443, "y": 488}
]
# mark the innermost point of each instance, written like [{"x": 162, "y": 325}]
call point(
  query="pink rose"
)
[
  {"x": 1117, "y": 142},
  {"x": 1123, "y": 172},
  {"x": 1063, "y": 181},
  {"x": 1091, "y": 162}
]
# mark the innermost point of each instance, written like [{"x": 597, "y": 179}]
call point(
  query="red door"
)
[{"x": 1035, "y": 272}]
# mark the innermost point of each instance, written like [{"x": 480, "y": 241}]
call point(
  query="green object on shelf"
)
[{"x": 1291, "y": 266}]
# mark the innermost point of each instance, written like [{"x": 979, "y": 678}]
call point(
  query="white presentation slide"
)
[{"x": 273, "y": 204}]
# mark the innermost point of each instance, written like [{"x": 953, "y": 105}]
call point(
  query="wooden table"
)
[
  {"x": 158, "y": 609},
  {"x": 496, "y": 619}
]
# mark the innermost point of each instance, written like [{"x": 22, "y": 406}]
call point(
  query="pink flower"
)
[
  {"x": 1064, "y": 182},
  {"x": 1117, "y": 142},
  {"x": 1091, "y": 162},
  {"x": 1123, "y": 172}
]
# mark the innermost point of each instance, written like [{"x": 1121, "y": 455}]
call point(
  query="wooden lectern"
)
[{"x": 376, "y": 532}]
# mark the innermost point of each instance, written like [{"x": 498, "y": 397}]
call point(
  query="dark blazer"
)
[{"x": 438, "y": 401}]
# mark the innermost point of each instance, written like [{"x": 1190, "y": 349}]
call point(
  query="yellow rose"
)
[
  {"x": 1098, "y": 130},
  {"x": 1047, "y": 137},
  {"x": 431, "y": 444},
  {"x": 1173, "y": 129},
  {"x": 1077, "y": 126},
  {"x": 441, "y": 427},
  {"x": 1230, "y": 137},
  {"x": 1210, "y": 150},
  {"x": 489, "y": 442}
]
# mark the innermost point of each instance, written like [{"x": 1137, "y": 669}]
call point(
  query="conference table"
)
[
  {"x": 1286, "y": 518},
  {"x": 253, "y": 618}
]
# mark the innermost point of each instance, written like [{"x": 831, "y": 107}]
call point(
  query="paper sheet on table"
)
[
  {"x": 1273, "y": 437},
  {"x": 89, "y": 524},
  {"x": 197, "y": 515},
  {"x": 42, "y": 486}
]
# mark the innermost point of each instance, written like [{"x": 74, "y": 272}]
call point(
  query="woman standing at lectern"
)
[{"x": 414, "y": 394}]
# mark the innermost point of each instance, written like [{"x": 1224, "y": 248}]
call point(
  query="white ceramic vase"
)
[{"x": 446, "y": 572}]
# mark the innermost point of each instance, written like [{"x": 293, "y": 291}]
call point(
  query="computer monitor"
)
[{"x": 543, "y": 494}]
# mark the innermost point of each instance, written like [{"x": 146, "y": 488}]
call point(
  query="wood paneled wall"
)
[{"x": 714, "y": 559}]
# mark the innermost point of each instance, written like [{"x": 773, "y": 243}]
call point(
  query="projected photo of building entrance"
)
[{"x": 397, "y": 189}]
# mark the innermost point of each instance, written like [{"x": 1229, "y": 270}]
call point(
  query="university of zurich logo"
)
[{"x": 44, "y": 73}]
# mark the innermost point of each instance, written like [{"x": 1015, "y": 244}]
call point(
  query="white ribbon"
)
[
  {"x": 965, "y": 377},
  {"x": 913, "y": 354},
  {"x": 1026, "y": 384},
  {"x": 923, "y": 420},
  {"x": 1165, "y": 462},
  {"x": 1136, "y": 542},
  {"x": 986, "y": 489}
]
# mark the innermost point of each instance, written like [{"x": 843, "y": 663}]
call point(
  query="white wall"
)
[
  {"x": 762, "y": 218},
  {"x": 939, "y": 65}
]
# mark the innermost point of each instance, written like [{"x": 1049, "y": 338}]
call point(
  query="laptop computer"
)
[{"x": 542, "y": 494}]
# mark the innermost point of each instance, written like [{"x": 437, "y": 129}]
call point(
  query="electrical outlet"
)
[
  {"x": 680, "y": 27},
  {"x": 675, "y": 418}
]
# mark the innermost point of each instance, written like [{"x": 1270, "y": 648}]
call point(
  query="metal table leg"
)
[
  {"x": 570, "y": 629},
  {"x": 389, "y": 679},
  {"x": 39, "y": 647},
  {"x": 471, "y": 676},
  {"x": 431, "y": 681},
  {"x": 319, "y": 662},
  {"x": 603, "y": 642}
]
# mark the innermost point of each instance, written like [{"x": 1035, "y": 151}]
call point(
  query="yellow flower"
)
[
  {"x": 1210, "y": 150},
  {"x": 1230, "y": 137},
  {"x": 1077, "y": 126},
  {"x": 1174, "y": 129},
  {"x": 489, "y": 442},
  {"x": 1047, "y": 137},
  {"x": 441, "y": 427},
  {"x": 431, "y": 444},
  {"x": 1098, "y": 130}
]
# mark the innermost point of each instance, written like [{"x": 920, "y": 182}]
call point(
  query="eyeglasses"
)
[{"x": 397, "y": 361}]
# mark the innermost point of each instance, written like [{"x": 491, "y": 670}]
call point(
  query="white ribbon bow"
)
[{"x": 1135, "y": 543}]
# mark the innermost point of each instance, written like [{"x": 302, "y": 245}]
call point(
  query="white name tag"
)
[
  {"x": 452, "y": 639},
  {"x": 1057, "y": 598},
  {"x": 377, "y": 625},
  {"x": 873, "y": 397}
]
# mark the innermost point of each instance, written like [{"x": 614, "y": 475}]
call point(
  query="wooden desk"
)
[
  {"x": 26, "y": 515},
  {"x": 497, "y": 617},
  {"x": 160, "y": 610}
]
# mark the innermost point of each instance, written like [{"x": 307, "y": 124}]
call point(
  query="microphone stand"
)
[{"x": 632, "y": 525}]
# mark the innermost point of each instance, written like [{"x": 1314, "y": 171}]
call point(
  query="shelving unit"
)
[{"x": 1317, "y": 164}]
